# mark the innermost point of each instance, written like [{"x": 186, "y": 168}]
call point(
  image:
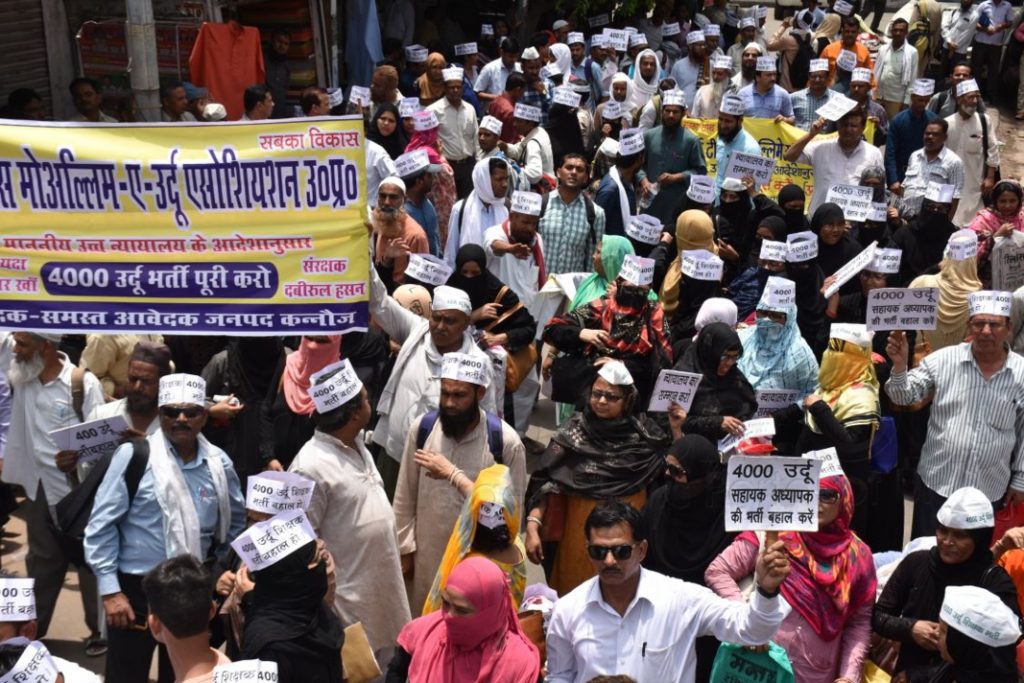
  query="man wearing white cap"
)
[
  {"x": 413, "y": 387},
  {"x": 484, "y": 207},
  {"x": 731, "y": 137},
  {"x": 457, "y": 130},
  {"x": 515, "y": 251},
  {"x": 748, "y": 35},
  {"x": 537, "y": 93},
  {"x": 616, "y": 193},
  {"x": 188, "y": 500},
  {"x": 349, "y": 509},
  {"x": 43, "y": 381},
  {"x": 748, "y": 66},
  {"x": 973, "y": 139},
  {"x": 816, "y": 95},
  {"x": 906, "y": 132},
  {"x": 934, "y": 163},
  {"x": 395, "y": 233},
  {"x": 533, "y": 151},
  {"x": 472, "y": 439},
  {"x": 671, "y": 153},
  {"x": 859, "y": 90},
  {"x": 763, "y": 98},
  {"x": 687, "y": 72},
  {"x": 978, "y": 398},
  {"x": 588, "y": 70},
  {"x": 417, "y": 173},
  {"x": 708, "y": 98},
  {"x": 487, "y": 136},
  {"x": 491, "y": 81},
  {"x": 845, "y": 54}
]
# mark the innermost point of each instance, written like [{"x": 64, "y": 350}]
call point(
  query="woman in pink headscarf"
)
[
  {"x": 474, "y": 638},
  {"x": 443, "y": 194}
]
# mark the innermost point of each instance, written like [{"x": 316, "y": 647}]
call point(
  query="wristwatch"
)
[{"x": 766, "y": 594}]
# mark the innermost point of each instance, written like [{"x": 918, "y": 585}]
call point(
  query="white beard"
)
[
  {"x": 718, "y": 89},
  {"x": 21, "y": 373}
]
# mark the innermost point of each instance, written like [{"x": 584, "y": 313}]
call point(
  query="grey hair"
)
[{"x": 873, "y": 172}]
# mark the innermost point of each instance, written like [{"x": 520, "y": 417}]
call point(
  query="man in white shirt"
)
[
  {"x": 515, "y": 250},
  {"x": 993, "y": 19},
  {"x": 973, "y": 138},
  {"x": 491, "y": 81},
  {"x": 958, "y": 29},
  {"x": 533, "y": 151},
  {"x": 895, "y": 70},
  {"x": 709, "y": 97},
  {"x": 458, "y": 129},
  {"x": 838, "y": 161},
  {"x": 632, "y": 621}
]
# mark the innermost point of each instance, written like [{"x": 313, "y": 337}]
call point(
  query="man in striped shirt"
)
[{"x": 976, "y": 424}]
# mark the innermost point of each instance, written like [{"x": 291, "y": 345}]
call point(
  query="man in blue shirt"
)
[
  {"x": 616, "y": 194},
  {"x": 188, "y": 500},
  {"x": 906, "y": 132},
  {"x": 765, "y": 100},
  {"x": 731, "y": 137},
  {"x": 417, "y": 173}
]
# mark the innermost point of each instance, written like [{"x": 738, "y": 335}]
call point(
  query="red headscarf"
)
[
  {"x": 487, "y": 646},
  {"x": 310, "y": 358},
  {"x": 832, "y": 573}
]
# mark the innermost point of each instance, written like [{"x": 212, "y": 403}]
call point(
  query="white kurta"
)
[
  {"x": 350, "y": 512},
  {"x": 965, "y": 139},
  {"x": 426, "y": 509}
]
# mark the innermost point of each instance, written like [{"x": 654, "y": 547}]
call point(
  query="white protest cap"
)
[
  {"x": 748, "y": 22},
  {"x": 408, "y": 106},
  {"x": 861, "y": 75},
  {"x": 766, "y": 64},
  {"x": 886, "y": 261},
  {"x": 630, "y": 30},
  {"x": 394, "y": 180},
  {"x": 967, "y": 87},
  {"x": 451, "y": 299},
  {"x": 417, "y": 54},
  {"x": 756, "y": 47},
  {"x": 801, "y": 246},
  {"x": 17, "y": 599},
  {"x": 721, "y": 62},
  {"x": 273, "y": 492},
  {"x": 550, "y": 71},
  {"x": 491, "y": 515},
  {"x": 411, "y": 163},
  {"x": 559, "y": 24},
  {"x": 615, "y": 372},
  {"x": 967, "y": 508},
  {"x": 425, "y": 120},
  {"x": 463, "y": 49},
  {"x": 486, "y": 29},
  {"x": 980, "y": 615},
  {"x": 854, "y": 333},
  {"x": 673, "y": 98},
  {"x": 527, "y": 112},
  {"x": 529, "y": 54},
  {"x": 637, "y": 39},
  {"x": 712, "y": 30},
  {"x": 51, "y": 337},
  {"x": 566, "y": 96},
  {"x": 491, "y": 124},
  {"x": 818, "y": 65},
  {"x": 612, "y": 110},
  {"x": 701, "y": 189},
  {"x": 989, "y": 302},
  {"x": 246, "y": 670},
  {"x": 528, "y": 203},
  {"x": 773, "y": 251},
  {"x": 962, "y": 245},
  {"x": 464, "y": 367},
  {"x": 670, "y": 29},
  {"x": 182, "y": 389},
  {"x": 923, "y": 87},
  {"x": 695, "y": 37},
  {"x": 35, "y": 664},
  {"x": 575, "y": 38},
  {"x": 843, "y": 7},
  {"x": 214, "y": 111},
  {"x": 637, "y": 270},
  {"x": 609, "y": 148},
  {"x": 631, "y": 144},
  {"x": 733, "y": 185},
  {"x": 339, "y": 385},
  {"x": 598, "y": 40},
  {"x": 452, "y": 73},
  {"x": 733, "y": 106},
  {"x": 939, "y": 193},
  {"x": 779, "y": 294}
]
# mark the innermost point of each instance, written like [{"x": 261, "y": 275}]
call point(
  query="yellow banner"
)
[
  {"x": 229, "y": 228},
  {"x": 774, "y": 139}
]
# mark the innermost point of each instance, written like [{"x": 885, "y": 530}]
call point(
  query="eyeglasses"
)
[
  {"x": 674, "y": 471},
  {"x": 598, "y": 395},
  {"x": 190, "y": 412},
  {"x": 828, "y": 496},
  {"x": 979, "y": 325},
  {"x": 619, "y": 552}
]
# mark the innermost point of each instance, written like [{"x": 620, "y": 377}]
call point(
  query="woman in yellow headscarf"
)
[
  {"x": 956, "y": 279},
  {"x": 431, "y": 83},
  {"x": 488, "y": 526},
  {"x": 694, "y": 230}
]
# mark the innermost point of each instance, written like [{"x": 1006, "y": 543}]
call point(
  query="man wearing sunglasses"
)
[
  {"x": 976, "y": 427},
  {"x": 188, "y": 500},
  {"x": 633, "y": 621}
]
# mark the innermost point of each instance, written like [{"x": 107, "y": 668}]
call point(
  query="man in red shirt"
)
[{"x": 504, "y": 106}]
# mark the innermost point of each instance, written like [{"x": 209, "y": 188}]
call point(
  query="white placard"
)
[
  {"x": 670, "y": 29},
  {"x": 276, "y": 492},
  {"x": 245, "y": 671},
  {"x": 673, "y": 386},
  {"x": 886, "y": 261},
  {"x": 17, "y": 599},
  {"x": 335, "y": 96},
  {"x": 836, "y": 108},
  {"x": 463, "y": 49},
  {"x": 266, "y": 543},
  {"x": 854, "y": 200},
  {"x": 770, "y": 400},
  {"x": 773, "y": 251},
  {"x": 701, "y": 264},
  {"x": 566, "y": 97},
  {"x": 411, "y": 163},
  {"x": 893, "y": 308},
  {"x": 771, "y": 493},
  {"x": 35, "y": 665},
  {"x": 850, "y": 269},
  {"x": 644, "y": 228},
  {"x": 428, "y": 268},
  {"x": 879, "y": 212},
  {"x": 92, "y": 439},
  {"x": 847, "y": 60},
  {"x": 1008, "y": 262},
  {"x": 360, "y": 94},
  {"x": 618, "y": 40},
  {"x": 829, "y": 459},
  {"x": 741, "y": 165}
]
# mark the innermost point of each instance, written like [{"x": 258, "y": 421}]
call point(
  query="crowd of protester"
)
[{"x": 543, "y": 223}]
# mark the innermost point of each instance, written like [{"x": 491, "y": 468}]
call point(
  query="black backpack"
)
[{"x": 74, "y": 509}]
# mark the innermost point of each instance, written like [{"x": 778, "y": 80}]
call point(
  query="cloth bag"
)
[
  {"x": 357, "y": 658},
  {"x": 738, "y": 664},
  {"x": 520, "y": 363}
]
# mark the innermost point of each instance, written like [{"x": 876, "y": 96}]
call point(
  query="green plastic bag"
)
[{"x": 737, "y": 664}]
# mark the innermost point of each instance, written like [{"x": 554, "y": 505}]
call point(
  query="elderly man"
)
[
  {"x": 944, "y": 103},
  {"x": 672, "y": 153},
  {"x": 533, "y": 151},
  {"x": 836, "y": 162},
  {"x": 976, "y": 427},
  {"x": 396, "y": 233},
  {"x": 933, "y": 163},
  {"x": 906, "y": 132},
  {"x": 708, "y": 99},
  {"x": 45, "y": 384},
  {"x": 471, "y": 439},
  {"x": 691, "y": 72},
  {"x": 413, "y": 387},
  {"x": 107, "y": 356},
  {"x": 170, "y": 494},
  {"x": 748, "y": 66},
  {"x": 973, "y": 138},
  {"x": 763, "y": 98},
  {"x": 458, "y": 130},
  {"x": 816, "y": 95},
  {"x": 731, "y": 137},
  {"x": 350, "y": 511}
]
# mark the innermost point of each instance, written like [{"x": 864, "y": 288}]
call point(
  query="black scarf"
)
[
  {"x": 810, "y": 304},
  {"x": 832, "y": 257},
  {"x": 395, "y": 143},
  {"x": 252, "y": 364},
  {"x": 727, "y": 395},
  {"x": 481, "y": 289}
]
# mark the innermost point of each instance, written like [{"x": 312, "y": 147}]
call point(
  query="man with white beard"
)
[
  {"x": 709, "y": 97},
  {"x": 41, "y": 377},
  {"x": 396, "y": 233}
]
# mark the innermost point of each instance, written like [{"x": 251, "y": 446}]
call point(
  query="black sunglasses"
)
[
  {"x": 619, "y": 552},
  {"x": 828, "y": 496},
  {"x": 172, "y": 413}
]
